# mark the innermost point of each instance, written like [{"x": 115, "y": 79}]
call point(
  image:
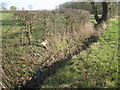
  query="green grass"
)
[
  {"x": 96, "y": 67},
  {"x": 10, "y": 30}
]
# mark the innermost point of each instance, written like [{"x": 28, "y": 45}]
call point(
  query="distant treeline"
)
[
  {"x": 85, "y": 6},
  {"x": 9, "y": 11}
]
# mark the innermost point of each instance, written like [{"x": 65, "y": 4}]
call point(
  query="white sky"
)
[
  {"x": 39, "y": 4},
  {"x": 36, "y": 4}
]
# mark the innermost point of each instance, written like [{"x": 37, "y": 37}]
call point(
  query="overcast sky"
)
[
  {"x": 39, "y": 4},
  {"x": 36, "y": 4}
]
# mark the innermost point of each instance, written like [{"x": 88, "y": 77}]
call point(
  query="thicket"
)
[
  {"x": 64, "y": 24},
  {"x": 64, "y": 29}
]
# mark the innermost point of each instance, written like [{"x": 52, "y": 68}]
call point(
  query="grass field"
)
[{"x": 96, "y": 67}]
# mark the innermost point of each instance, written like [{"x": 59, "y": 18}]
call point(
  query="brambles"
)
[
  {"x": 61, "y": 28},
  {"x": 62, "y": 24},
  {"x": 27, "y": 20}
]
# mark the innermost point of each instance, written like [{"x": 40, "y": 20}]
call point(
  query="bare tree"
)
[{"x": 108, "y": 11}]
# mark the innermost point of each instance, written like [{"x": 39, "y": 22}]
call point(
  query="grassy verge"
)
[{"x": 96, "y": 67}]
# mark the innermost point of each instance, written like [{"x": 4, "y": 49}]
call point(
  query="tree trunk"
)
[
  {"x": 29, "y": 37},
  {"x": 95, "y": 12},
  {"x": 105, "y": 12},
  {"x": 108, "y": 11},
  {"x": 101, "y": 22}
]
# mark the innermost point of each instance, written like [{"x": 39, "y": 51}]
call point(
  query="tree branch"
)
[
  {"x": 105, "y": 11},
  {"x": 95, "y": 12}
]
